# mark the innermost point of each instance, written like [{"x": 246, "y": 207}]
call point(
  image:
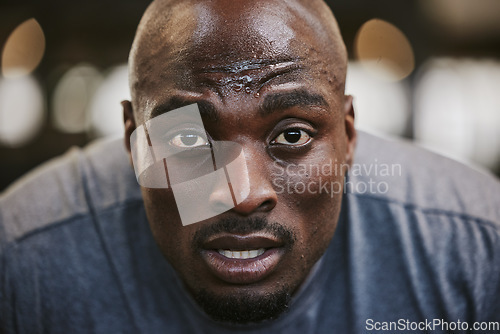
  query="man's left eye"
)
[
  {"x": 188, "y": 140},
  {"x": 292, "y": 137}
]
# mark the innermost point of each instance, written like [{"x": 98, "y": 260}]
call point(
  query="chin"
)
[{"x": 246, "y": 306}]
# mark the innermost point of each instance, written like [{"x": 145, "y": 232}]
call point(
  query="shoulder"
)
[
  {"x": 67, "y": 188},
  {"x": 404, "y": 173},
  {"x": 434, "y": 219},
  {"x": 70, "y": 229}
]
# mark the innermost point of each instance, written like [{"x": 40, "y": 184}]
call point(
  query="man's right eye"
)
[{"x": 188, "y": 140}]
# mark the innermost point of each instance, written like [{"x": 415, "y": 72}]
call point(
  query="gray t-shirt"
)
[{"x": 418, "y": 242}]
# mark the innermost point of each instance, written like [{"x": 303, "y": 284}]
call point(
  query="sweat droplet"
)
[
  {"x": 237, "y": 87},
  {"x": 248, "y": 90},
  {"x": 246, "y": 79}
]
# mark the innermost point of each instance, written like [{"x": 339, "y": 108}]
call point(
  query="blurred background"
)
[{"x": 424, "y": 70}]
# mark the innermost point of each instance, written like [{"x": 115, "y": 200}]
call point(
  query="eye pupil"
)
[
  {"x": 189, "y": 140},
  {"x": 292, "y": 136}
]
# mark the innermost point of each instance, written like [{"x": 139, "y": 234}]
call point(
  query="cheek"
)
[
  {"x": 312, "y": 193},
  {"x": 313, "y": 180},
  {"x": 165, "y": 222},
  {"x": 173, "y": 239},
  {"x": 160, "y": 207}
]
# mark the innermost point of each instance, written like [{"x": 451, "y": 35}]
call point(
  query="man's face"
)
[{"x": 261, "y": 81}]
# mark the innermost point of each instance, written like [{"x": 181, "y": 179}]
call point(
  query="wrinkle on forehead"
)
[
  {"x": 247, "y": 65},
  {"x": 251, "y": 77}
]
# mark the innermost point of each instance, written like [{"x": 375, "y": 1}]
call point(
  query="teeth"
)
[{"x": 246, "y": 254}]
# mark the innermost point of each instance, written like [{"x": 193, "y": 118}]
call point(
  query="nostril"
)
[{"x": 267, "y": 205}]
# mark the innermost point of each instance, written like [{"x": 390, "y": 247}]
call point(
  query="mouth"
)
[
  {"x": 246, "y": 254},
  {"x": 245, "y": 259}
]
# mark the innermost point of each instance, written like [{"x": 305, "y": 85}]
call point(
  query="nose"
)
[
  {"x": 262, "y": 198},
  {"x": 261, "y": 195}
]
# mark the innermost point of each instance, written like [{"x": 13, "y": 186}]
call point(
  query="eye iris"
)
[
  {"x": 189, "y": 140},
  {"x": 292, "y": 136}
]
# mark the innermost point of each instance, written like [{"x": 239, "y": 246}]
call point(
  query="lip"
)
[{"x": 242, "y": 271}]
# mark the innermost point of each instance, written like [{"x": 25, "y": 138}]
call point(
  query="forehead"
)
[
  {"x": 221, "y": 32},
  {"x": 220, "y": 45},
  {"x": 243, "y": 29}
]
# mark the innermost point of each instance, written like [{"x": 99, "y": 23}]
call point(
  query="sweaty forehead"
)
[{"x": 178, "y": 38}]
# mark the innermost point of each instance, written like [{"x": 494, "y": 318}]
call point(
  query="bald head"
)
[{"x": 177, "y": 39}]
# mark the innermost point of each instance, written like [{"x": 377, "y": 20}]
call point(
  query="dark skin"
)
[{"x": 260, "y": 71}]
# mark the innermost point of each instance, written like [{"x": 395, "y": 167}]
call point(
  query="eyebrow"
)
[
  {"x": 286, "y": 100},
  {"x": 272, "y": 103},
  {"x": 207, "y": 109}
]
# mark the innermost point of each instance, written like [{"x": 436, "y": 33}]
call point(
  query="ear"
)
[
  {"x": 129, "y": 122},
  {"x": 351, "y": 135}
]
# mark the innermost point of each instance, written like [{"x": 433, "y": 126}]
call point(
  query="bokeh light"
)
[
  {"x": 457, "y": 109},
  {"x": 464, "y": 19},
  {"x": 21, "y": 110},
  {"x": 384, "y": 50},
  {"x": 23, "y": 49},
  {"x": 72, "y": 96},
  {"x": 106, "y": 110},
  {"x": 380, "y": 106}
]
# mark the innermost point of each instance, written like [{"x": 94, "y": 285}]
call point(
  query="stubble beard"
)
[{"x": 244, "y": 308}]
